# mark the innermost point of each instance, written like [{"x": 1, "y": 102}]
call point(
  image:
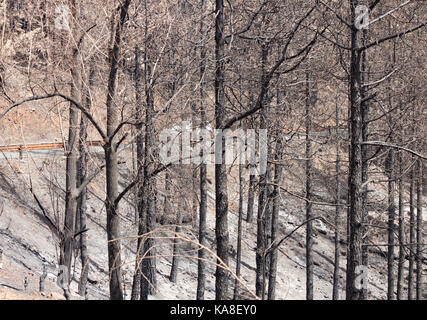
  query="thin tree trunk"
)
[
  {"x": 252, "y": 176},
  {"x": 401, "y": 233},
  {"x": 268, "y": 214},
  {"x": 201, "y": 254},
  {"x": 173, "y": 277},
  {"x": 251, "y": 198},
  {"x": 308, "y": 187},
  {"x": 335, "y": 287},
  {"x": 364, "y": 106},
  {"x": 391, "y": 174},
  {"x": 148, "y": 277},
  {"x": 71, "y": 162},
  {"x": 411, "y": 234},
  {"x": 221, "y": 193},
  {"x": 112, "y": 174},
  {"x": 278, "y": 169},
  {"x": 419, "y": 253},
  {"x": 240, "y": 218},
  {"x": 239, "y": 231},
  {"x": 263, "y": 196},
  {"x": 275, "y": 219},
  {"x": 353, "y": 286},
  {"x": 82, "y": 173},
  {"x": 136, "y": 285},
  {"x": 391, "y": 227}
]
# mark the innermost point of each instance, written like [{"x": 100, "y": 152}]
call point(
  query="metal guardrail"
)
[{"x": 42, "y": 146}]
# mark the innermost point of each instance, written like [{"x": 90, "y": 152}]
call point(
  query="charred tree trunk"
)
[
  {"x": 112, "y": 174},
  {"x": 335, "y": 286},
  {"x": 308, "y": 186},
  {"x": 136, "y": 284},
  {"x": 275, "y": 218},
  {"x": 81, "y": 176},
  {"x": 391, "y": 227},
  {"x": 278, "y": 171},
  {"x": 239, "y": 231},
  {"x": 148, "y": 277},
  {"x": 251, "y": 198},
  {"x": 263, "y": 196},
  {"x": 173, "y": 277},
  {"x": 411, "y": 234},
  {"x": 391, "y": 174},
  {"x": 354, "y": 287},
  {"x": 401, "y": 233},
  {"x": 221, "y": 193},
  {"x": 365, "y": 167},
  {"x": 252, "y": 176},
  {"x": 71, "y": 151},
  {"x": 419, "y": 252},
  {"x": 201, "y": 254}
]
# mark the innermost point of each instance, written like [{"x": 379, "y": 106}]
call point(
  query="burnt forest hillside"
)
[{"x": 213, "y": 150}]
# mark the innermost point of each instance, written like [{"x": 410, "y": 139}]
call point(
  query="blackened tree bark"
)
[
  {"x": 391, "y": 227},
  {"x": 240, "y": 217},
  {"x": 419, "y": 252},
  {"x": 308, "y": 186},
  {"x": 391, "y": 174},
  {"x": 355, "y": 219},
  {"x": 278, "y": 170},
  {"x": 336, "y": 278},
  {"x": 239, "y": 231},
  {"x": 275, "y": 217},
  {"x": 221, "y": 196},
  {"x": 401, "y": 233},
  {"x": 136, "y": 284},
  {"x": 167, "y": 210},
  {"x": 252, "y": 176},
  {"x": 148, "y": 276},
  {"x": 173, "y": 277},
  {"x": 411, "y": 234},
  {"x": 252, "y": 181},
  {"x": 112, "y": 174},
  {"x": 251, "y": 198},
  {"x": 268, "y": 210},
  {"x": 263, "y": 196},
  {"x": 71, "y": 151},
  {"x": 81, "y": 176},
  {"x": 201, "y": 254},
  {"x": 364, "y": 106}
]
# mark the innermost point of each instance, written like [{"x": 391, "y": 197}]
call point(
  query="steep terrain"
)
[{"x": 28, "y": 240}]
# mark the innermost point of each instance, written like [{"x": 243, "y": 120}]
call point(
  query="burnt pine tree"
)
[
  {"x": 136, "y": 284},
  {"x": 354, "y": 289},
  {"x": 336, "y": 278},
  {"x": 278, "y": 169},
  {"x": 411, "y": 232},
  {"x": 419, "y": 250},
  {"x": 81, "y": 177},
  {"x": 401, "y": 229},
  {"x": 263, "y": 197},
  {"x": 148, "y": 218},
  {"x": 112, "y": 171},
  {"x": 221, "y": 196},
  {"x": 201, "y": 254},
  {"x": 308, "y": 191},
  {"x": 71, "y": 150}
]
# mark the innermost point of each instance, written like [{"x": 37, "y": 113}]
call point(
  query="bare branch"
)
[
  {"x": 385, "y": 144},
  {"x": 397, "y": 35}
]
